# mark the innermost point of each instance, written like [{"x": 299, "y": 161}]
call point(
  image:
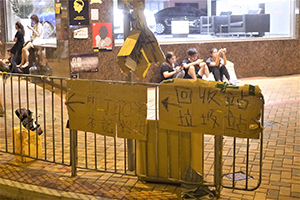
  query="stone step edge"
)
[{"x": 24, "y": 191}]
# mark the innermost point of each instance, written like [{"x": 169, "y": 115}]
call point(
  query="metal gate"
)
[{"x": 225, "y": 161}]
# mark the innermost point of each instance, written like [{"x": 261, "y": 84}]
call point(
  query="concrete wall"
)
[{"x": 256, "y": 58}]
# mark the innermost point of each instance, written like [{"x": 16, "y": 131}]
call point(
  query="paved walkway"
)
[{"x": 281, "y": 163}]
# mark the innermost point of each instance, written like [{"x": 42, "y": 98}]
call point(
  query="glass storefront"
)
[
  {"x": 217, "y": 19},
  {"x": 21, "y": 10},
  {"x": 178, "y": 21}
]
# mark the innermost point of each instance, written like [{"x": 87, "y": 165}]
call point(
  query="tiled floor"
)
[{"x": 281, "y": 160}]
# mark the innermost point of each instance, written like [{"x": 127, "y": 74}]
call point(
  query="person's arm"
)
[
  {"x": 197, "y": 62},
  {"x": 169, "y": 74},
  {"x": 165, "y": 70},
  {"x": 16, "y": 36},
  {"x": 37, "y": 32},
  {"x": 224, "y": 56},
  {"x": 217, "y": 62}
]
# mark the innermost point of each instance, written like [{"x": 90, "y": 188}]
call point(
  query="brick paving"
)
[{"x": 281, "y": 156}]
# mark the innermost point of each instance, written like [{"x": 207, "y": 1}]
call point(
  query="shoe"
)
[
  {"x": 20, "y": 70},
  {"x": 25, "y": 65}
]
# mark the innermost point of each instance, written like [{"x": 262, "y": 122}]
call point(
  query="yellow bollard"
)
[{"x": 22, "y": 147}]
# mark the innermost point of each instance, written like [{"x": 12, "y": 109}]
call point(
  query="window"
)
[
  {"x": 21, "y": 10},
  {"x": 230, "y": 19}
]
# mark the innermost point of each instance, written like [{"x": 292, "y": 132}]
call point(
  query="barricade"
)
[{"x": 167, "y": 142}]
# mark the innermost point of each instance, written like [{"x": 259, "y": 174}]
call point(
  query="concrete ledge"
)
[{"x": 16, "y": 190}]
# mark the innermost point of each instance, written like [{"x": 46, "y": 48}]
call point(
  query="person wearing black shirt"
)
[
  {"x": 194, "y": 68},
  {"x": 170, "y": 69},
  {"x": 216, "y": 64},
  {"x": 19, "y": 39}
]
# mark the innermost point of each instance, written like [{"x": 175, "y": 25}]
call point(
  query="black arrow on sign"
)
[
  {"x": 68, "y": 102},
  {"x": 166, "y": 104}
]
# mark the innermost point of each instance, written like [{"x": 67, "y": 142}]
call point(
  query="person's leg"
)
[
  {"x": 203, "y": 70},
  {"x": 192, "y": 72},
  {"x": 223, "y": 70},
  {"x": 25, "y": 55},
  {"x": 179, "y": 74},
  {"x": 216, "y": 72}
]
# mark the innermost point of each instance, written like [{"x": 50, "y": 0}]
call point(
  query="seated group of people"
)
[
  {"x": 193, "y": 68},
  {"x": 18, "y": 59}
]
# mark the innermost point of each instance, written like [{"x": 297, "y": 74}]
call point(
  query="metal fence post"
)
[
  {"x": 218, "y": 163},
  {"x": 73, "y": 152},
  {"x": 128, "y": 78}
]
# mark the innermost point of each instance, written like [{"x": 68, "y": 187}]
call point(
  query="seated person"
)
[
  {"x": 37, "y": 38},
  {"x": 170, "y": 69},
  {"x": 8, "y": 65},
  {"x": 216, "y": 64},
  {"x": 16, "y": 50},
  {"x": 194, "y": 68}
]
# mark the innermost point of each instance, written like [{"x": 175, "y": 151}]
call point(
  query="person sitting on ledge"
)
[
  {"x": 216, "y": 64},
  {"x": 194, "y": 68},
  {"x": 170, "y": 69},
  {"x": 37, "y": 38}
]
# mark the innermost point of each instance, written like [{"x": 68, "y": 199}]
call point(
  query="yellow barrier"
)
[
  {"x": 24, "y": 144},
  {"x": 167, "y": 154}
]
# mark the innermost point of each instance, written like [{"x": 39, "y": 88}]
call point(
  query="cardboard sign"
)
[
  {"x": 140, "y": 49},
  {"x": 210, "y": 107},
  {"x": 107, "y": 108}
]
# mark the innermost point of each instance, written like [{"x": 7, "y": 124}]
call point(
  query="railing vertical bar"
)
[
  {"x": 218, "y": 163},
  {"x": 135, "y": 160},
  {"x": 27, "y": 100},
  {"x": 45, "y": 124},
  {"x": 179, "y": 156},
  {"x": 105, "y": 154},
  {"x": 233, "y": 167},
  {"x": 95, "y": 147},
  {"x": 36, "y": 118},
  {"x": 85, "y": 147},
  {"x": 202, "y": 171},
  {"x": 12, "y": 111},
  {"x": 62, "y": 121},
  {"x": 146, "y": 154},
  {"x": 168, "y": 155},
  {"x": 115, "y": 153},
  {"x": 156, "y": 133},
  {"x": 73, "y": 152},
  {"x": 261, "y": 143},
  {"x": 247, "y": 163},
  {"x": 53, "y": 131},
  {"x": 191, "y": 152},
  {"x": 125, "y": 157},
  {"x": 21, "y": 133},
  {"x": 5, "y": 119}
]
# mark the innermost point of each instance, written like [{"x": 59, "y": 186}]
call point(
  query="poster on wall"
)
[
  {"x": 79, "y": 12},
  {"x": 84, "y": 62},
  {"x": 102, "y": 36}
]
